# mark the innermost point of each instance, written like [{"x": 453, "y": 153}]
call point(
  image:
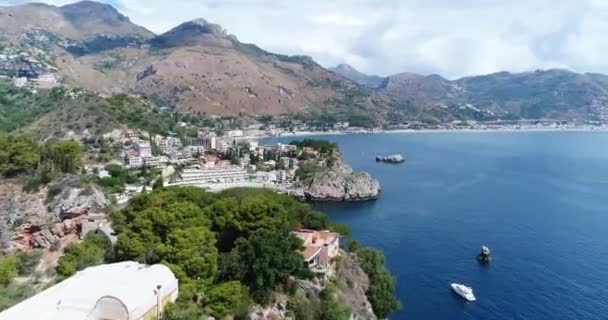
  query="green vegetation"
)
[
  {"x": 324, "y": 307},
  {"x": 20, "y": 155},
  {"x": 382, "y": 284},
  {"x": 94, "y": 250},
  {"x": 8, "y": 269},
  {"x": 11, "y": 266},
  {"x": 226, "y": 249},
  {"x": 331, "y": 309},
  {"x": 120, "y": 177},
  {"x": 52, "y": 113},
  {"x": 14, "y": 293},
  {"x": 323, "y": 146}
]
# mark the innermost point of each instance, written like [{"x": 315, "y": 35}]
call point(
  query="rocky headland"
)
[{"x": 339, "y": 183}]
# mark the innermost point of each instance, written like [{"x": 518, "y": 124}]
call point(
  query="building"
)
[
  {"x": 195, "y": 150},
  {"x": 134, "y": 160},
  {"x": 119, "y": 291},
  {"x": 169, "y": 144},
  {"x": 319, "y": 247},
  {"x": 234, "y": 133},
  {"x": 156, "y": 162},
  {"x": 218, "y": 174},
  {"x": 143, "y": 148}
]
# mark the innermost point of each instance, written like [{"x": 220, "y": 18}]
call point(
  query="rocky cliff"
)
[
  {"x": 340, "y": 183},
  {"x": 350, "y": 283},
  {"x": 38, "y": 219}
]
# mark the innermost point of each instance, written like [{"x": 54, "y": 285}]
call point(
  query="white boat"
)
[{"x": 463, "y": 291}]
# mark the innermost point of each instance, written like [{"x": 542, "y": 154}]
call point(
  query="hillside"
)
[
  {"x": 196, "y": 67},
  {"x": 351, "y": 73},
  {"x": 551, "y": 94},
  {"x": 62, "y": 113}
]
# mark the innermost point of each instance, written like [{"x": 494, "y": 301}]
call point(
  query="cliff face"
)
[
  {"x": 350, "y": 283},
  {"x": 36, "y": 220},
  {"x": 340, "y": 183}
]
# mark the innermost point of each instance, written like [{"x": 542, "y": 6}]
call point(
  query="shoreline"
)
[{"x": 416, "y": 131}]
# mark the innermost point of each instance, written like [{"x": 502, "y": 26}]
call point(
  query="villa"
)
[{"x": 319, "y": 247}]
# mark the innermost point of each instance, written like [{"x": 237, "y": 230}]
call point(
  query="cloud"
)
[{"x": 453, "y": 38}]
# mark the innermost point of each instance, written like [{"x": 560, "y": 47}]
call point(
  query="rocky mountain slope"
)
[
  {"x": 196, "y": 67},
  {"x": 552, "y": 94},
  {"x": 85, "y": 21},
  {"x": 351, "y": 73}
]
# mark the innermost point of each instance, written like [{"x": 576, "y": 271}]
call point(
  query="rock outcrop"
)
[
  {"x": 349, "y": 281},
  {"x": 340, "y": 183},
  {"x": 40, "y": 219}
]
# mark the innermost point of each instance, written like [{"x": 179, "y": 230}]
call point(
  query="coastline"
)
[{"x": 415, "y": 131}]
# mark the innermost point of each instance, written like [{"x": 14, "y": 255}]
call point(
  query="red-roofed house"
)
[{"x": 319, "y": 246}]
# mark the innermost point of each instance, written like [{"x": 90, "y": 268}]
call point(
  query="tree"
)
[
  {"x": 18, "y": 154},
  {"x": 225, "y": 299},
  {"x": 64, "y": 156},
  {"x": 91, "y": 251},
  {"x": 158, "y": 184},
  {"x": 8, "y": 269},
  {"x": 382, "y": 285},
  {"x": 331, "y": 309},
  {"x": 268, "y": 258}
]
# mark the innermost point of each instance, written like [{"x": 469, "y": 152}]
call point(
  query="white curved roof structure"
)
[{"x": 120, "y": 291}]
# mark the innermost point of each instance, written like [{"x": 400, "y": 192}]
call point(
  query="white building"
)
[
  {"x": 143, "y": 148},
  {"x": 134, "y": 160},
  {"x": 119, "y": 291},
  {"x": 224, "y": 174},
  {"x": 156, "y": 162},
  {"x": 195, "y": 150},
  {"x": 234, "y": 133}
]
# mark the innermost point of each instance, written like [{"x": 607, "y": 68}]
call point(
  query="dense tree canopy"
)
[
  {"x": 225, "y": 248},
  {"x": 18, "y": 154},
  {"x": 94, "y": 250}
]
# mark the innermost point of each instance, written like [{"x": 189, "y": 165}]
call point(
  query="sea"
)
[{"x": 538, "y": 200}]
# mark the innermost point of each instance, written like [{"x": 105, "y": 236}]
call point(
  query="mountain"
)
[
  {"x": 84, "y": 20},
  {"x": 353, "y": 74},
  {"x": 196, "y": 67},
  {"x": 551, "y": 94}
]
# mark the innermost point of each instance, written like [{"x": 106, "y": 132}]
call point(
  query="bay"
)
[{"x": 539, "y": 200}]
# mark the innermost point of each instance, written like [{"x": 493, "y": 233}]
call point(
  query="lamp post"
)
[{"x": 157, "y": 292}]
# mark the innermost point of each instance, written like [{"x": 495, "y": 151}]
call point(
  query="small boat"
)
[
  {"x": 395, "y": 158},
  {"x": 484, "y": 255},
  {"x": 463, "y": 291}
]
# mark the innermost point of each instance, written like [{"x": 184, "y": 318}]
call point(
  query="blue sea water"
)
[{"x": 539, "y": 200}]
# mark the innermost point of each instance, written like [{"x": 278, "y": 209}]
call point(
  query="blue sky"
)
[{"x": 453, "y": 38}]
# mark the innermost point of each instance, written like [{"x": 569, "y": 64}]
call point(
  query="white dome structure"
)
[{"x": 119, "y": 291}]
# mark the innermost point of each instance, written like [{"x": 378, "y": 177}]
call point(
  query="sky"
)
[{"x": 453, "y": 38}]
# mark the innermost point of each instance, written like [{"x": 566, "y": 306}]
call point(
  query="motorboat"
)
[{"x": 463, "y": 291}]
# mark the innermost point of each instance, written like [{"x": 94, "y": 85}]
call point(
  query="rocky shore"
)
[{"x": 339, "y": 183}]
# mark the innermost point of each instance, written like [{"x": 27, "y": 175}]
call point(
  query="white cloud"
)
[{"x": 449, "y": 37}]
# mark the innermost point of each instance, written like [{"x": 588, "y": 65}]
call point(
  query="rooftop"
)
[{"x": 130, "y": 284}]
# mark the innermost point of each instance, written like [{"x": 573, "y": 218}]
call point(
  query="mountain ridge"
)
[{"x": 198, "y": 67}]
